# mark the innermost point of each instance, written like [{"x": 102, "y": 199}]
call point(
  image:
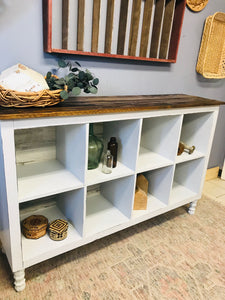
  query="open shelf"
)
[
  {"x": 68, "y": 206},
  {"x": 186, "y": 157},
  {"x": 52, "y": 160},
  {"x": 96, "y": 176},
  {"x": 109, "y": 206},
  {"x": 127, "y": 136},
  {"x": 149, "y": 160},
  {"x": 158, "y": 146},
  {"x": 43, "y": 179},
  {"x": 180, "y": 193},
  {"x": 196, "y": 131},
  {"x": 187, "y": 180},
  {"x": 101, "y": 215},
  {"x": 159, "y": 186}
]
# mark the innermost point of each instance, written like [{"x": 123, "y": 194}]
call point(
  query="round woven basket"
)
[
  {"x": 197, "y": 5},
  {"x": 58, "y": 229},
  {"x": 11, "y": 98},
  {"x": 34, "y": 226}
]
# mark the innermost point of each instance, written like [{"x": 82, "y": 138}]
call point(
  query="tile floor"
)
[{"x": 215, "y": 189}]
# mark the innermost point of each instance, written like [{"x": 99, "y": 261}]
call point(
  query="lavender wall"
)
[{"x": 21, "y": 41}]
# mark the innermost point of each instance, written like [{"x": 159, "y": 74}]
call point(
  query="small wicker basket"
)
[
  {"x": 11, "y": 98},
  {"x": 197, "y": 5},
  {"x": 34, "y": 226},
  {"x": 58, "y": 230},
  {"x": 211, "y": 59}
]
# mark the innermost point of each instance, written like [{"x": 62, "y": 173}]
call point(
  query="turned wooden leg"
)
[
  {"x": 19, "y": 282},
  {"x": 192, "y": 207}
]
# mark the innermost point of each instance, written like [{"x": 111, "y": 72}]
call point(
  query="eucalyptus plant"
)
[{"x": 74, "y": 82}]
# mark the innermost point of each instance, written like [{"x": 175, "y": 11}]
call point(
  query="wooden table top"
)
[{"x": 109, "y": 104}]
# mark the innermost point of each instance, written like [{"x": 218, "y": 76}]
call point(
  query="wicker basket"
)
[
  {"x": 211, "y": 59},
  {"x": 10, "y": 98},
  {"x": 197, "y": 5},
  {"x": 34, "y": 226},
  {"x": 58, "y": 230}
]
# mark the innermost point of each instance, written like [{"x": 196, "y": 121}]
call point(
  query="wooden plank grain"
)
[
  {"x": 146, "y": 27},
  {"x": 176, "y": 29},
  {"x": 122, "y": 26},
  {"x": 110, "y": 104},
  {"x": 65, "y": 23},
  {"x": 80, "y": 25},
  {"x": 95, "y": 25},
  {"x": 47, "y": 24},
  {"x": 157, "y": 26},
  {"x": 167, "y": 27},
  {"x": 135, "y": 18},
  {"x": 109, "y": 26}
]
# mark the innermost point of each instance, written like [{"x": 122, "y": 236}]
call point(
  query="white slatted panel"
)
[
  {"x": 57, "y": 24},
  {"x": 88, "y": 25},
  {"x": 129, "y": 13},
  {"x": 102, "y": 25},
  {"x": 116, "y": 16},
  {"x": 72, "y": 32}
]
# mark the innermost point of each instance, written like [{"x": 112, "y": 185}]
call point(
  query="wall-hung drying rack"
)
[{"x": 130, "y": 29}]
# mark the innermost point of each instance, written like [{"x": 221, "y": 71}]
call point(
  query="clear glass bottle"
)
[
  {"x": 95, "y": 148},
  {"x": 107, "y": 163},
  {"x": 113, "y": 147}
]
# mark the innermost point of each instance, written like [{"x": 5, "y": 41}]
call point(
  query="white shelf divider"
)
[
  {"x": 36, "y": 180},
  {"x": 149, "y": 160},
  {"x": 187, "y": 157},
  {"x": 96, "y": 176}
]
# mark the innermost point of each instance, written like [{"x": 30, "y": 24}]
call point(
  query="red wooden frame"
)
[{"x": 174, "y": 44}]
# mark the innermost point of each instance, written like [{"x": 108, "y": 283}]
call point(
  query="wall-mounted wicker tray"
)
[{"x": 211, "y": 59}]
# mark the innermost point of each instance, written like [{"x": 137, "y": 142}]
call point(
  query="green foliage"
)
[{"x": 74, "y": 82}]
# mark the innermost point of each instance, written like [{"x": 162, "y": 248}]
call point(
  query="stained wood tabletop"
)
[{"x": 109, "y": 104}]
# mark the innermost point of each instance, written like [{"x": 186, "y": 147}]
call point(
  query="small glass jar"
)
[
  {"x": 107, "y": 163},
  {"x": 113, "y": 147}
]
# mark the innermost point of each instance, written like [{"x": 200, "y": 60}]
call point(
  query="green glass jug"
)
[{"x": 95, "y": 148}]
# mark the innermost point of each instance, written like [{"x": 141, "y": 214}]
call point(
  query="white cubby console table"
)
[{"x": 43, "y": 167}]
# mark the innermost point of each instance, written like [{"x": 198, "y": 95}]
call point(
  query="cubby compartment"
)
[
  {"x": 127, "y": 136},
  {"x": 108, "y": 204},
  {"x": 196, "y": 131},
  {"x": 67, "y": 206},
  {"x": 49, "y": 160},
  {"x": 159, "y": 186},
  {"x": 187, "y": 181},
  {"x": 159, "y": 139}
]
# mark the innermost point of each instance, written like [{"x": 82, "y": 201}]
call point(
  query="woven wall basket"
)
[
  {"x": 197, "y": 5},
  {"x": 10, "y": 98},
  {"x": 211, "y": 59}
]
